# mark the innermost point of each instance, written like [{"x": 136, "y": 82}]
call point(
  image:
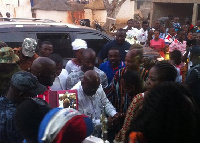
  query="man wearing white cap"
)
[{"x": 78, "y": 47}]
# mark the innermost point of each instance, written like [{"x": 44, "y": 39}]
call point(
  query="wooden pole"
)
[{"x": 195, "y": 14}]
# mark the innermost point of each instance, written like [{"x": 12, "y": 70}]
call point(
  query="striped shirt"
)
[{"x": 116, "y": 94}]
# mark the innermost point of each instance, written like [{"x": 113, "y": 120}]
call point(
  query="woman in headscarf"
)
[{"x": 78, "y": 46}]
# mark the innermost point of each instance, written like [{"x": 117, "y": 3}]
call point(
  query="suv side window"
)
[
  {"x": 61, "y": 43},
  {"x": 94, "y": 40},
  {"x": 14, "y": 39}
]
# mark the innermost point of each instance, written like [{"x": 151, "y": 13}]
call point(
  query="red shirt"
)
[
  {"x": 158, "y": 46},
  {"x": 45, "y": 95}
]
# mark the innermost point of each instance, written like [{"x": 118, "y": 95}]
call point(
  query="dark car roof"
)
[
  {"x": 60, "y": 35},
  {"x": 43, "y": 27},
  {"x": 39, "y": 27}
]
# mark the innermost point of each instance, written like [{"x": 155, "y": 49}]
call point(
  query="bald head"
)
[
  {"x": 45, "y": 70},
  {"x": 89, "y": 52},
  {"x": 133, "y": 59},
  {"x": 90, "y": 82},
  {"x": 92, "y": 77},
  {"x": 135, "y": 52},
  {"x": 88, "y": 60},
  {"x": 41, "y": 64}
]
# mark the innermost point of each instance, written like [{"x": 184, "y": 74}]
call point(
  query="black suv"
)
[{"x": 60, "y": 35}]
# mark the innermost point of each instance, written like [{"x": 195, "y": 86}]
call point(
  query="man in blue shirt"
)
[
  {"x": 119, "y": 42},
  {"x": 113, "y": 64}
]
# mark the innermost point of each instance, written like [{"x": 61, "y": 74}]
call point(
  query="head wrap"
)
[{"x": 79, "y": 44}]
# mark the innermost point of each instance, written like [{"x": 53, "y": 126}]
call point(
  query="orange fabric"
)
[
  {"x": 25, "y": 62},
  {"x": 136, "y": 137}
]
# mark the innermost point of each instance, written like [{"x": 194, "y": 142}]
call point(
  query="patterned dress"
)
[
  {"x": 116, "y": 94},
  {"x": 135, "y": 105},
  {"x": 177, "y": 45}
]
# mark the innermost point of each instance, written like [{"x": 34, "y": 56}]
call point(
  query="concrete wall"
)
[
  {"x": 24, "y": 2},
  {"x": 182, "y": 10},
  {"x": 126, "y": 12},
  {"x": 75, "y": 16},
  {"x": 177, "y": 1},
  {"x": 58, "y": 16},
  {"x": 145, "y": 8},
  {"x": 21, "y": 8},
  {"x": 99, "y": 15},
  {"x": 88, "y": 14}
]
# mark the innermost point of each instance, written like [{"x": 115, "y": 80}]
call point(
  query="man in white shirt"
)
[
  {"x": 88, "y": 63},
  {"x": 131, "y": 32},
  {"x": 61, "y": 74},
  {"x": 91, "y": 98},
  {"x": 143, "y": 33}
]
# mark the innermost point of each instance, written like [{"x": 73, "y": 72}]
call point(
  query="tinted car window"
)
[
  {"x": 60, "y": 36},
  {"x": 61, "y": 43},
  {"x": 94, "y": 40},
  {"x": 14, "y": 39}
]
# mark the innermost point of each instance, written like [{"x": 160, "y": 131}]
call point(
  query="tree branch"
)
[
  {"x": 106, "y": 4},
  {"x": 121, "y": 2}
]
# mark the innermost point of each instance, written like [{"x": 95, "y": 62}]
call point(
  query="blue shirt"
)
[
  {"x": 8, "y": 134},
  {"x": 162, "y": 35},
  {"x": 123, "y": 49},
  {"x": 176, "y": 26},
  {"x": 109, "y": 71}
]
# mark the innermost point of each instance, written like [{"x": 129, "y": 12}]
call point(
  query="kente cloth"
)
[
  {"x": 116, "y": 94},
  {"x": 135, "y": 105}
]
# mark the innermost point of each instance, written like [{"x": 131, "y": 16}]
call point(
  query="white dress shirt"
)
[
  {"x": 142, "y": 35},
  {"x": 71, "y": 66},
  {"x": 60, "y": 81},
  {"x": 93, "y": 105}
]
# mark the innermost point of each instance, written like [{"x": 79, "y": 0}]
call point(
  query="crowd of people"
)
[{"x": 146, "y": 101}]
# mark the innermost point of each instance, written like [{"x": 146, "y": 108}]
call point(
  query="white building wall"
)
[
  {"x": 126, "y": 12},
  {"x": 58, "y": 16},
  {"x": 24, "y": 2},
  {"x": 23, "y": 11},
  {"x": 100, "y": 16},
  {"x": 17, "y": 8},
  {"x": 88, "y": 14}
]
